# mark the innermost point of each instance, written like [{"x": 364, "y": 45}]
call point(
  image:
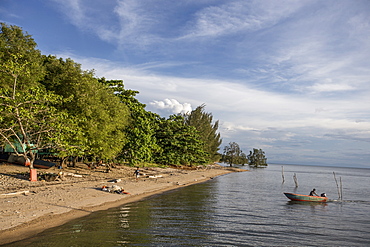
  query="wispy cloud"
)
[
  {"x": 291, "y": 76},
  {"x": 318, "y": 53},
  {"x": 233, "y": 100},
  {"x": 236, "y": 16},
  {"x": 3, "y": 12},
  {"x": 74, "y": 11}
]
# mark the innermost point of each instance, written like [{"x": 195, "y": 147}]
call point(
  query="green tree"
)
[
  {"x": 179, "y": 144},
  {"x": 140, "y": 133},
  {"x": 29, "y": 117},
  {"x": 32, "y": 122},
  {"x": 257, "y": 158},
  {"x": 207, "y": 130},
  {"x": 233, "y": 154},
  {"x": 100, "y": 115},
  {"x": 21, "y": 65}
]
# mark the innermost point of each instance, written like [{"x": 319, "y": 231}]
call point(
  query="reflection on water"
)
[
  {"x": 315, "y": 204},
  {"x": 238, "y": 209}
]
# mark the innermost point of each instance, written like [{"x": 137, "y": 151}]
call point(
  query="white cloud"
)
[
  {"x": 172, "y": 106},
  {"x": 330, "y": 87}
]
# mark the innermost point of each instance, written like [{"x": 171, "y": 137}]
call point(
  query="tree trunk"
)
[
  {"x": 31, "y": 160},
  {"x": 74, "y": 161}
]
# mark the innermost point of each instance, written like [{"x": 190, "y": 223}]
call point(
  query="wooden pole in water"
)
[
  {"x": 295, "y": 180},
  {"x": 335, "y": 178},
  {"x": 282, "y": 173},
  {"x": 341, "y": 188}
]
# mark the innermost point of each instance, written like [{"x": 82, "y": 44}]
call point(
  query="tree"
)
[
  {"x": 32, "y": 122},
  {"x": 101, "y": 117},
  {"x": 179, "y": 144},
  {"x": 19, "y": 59},
  {"x": 29, "y": 119},
  {"x": 257, "y": 158},
  {"x": 202, "y": 121},
  {"x": 233, "y": 154},
  {"x": 140, "y": 133}
]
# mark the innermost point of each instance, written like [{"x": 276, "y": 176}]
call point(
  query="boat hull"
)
[
  {"x": 305, "y": 198},
  {"x": 19, "y": 160}
]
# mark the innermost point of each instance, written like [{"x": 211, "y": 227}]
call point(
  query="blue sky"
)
[{"x": 290, "y": 77}]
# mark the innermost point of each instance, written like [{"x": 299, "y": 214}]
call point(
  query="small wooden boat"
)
[
  {"x": 305, "y": 198},
  {"x": 19, "y": 160},
  {"x": 43, "y": 164}
]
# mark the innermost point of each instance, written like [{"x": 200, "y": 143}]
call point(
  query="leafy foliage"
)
[
  {"x": 29, "y": 116},
  {"x": 50, "y": 102},
  {"x": 202, "y": 121},
  {"x": 179, "y": 144},
  {"x": 234, "y": 155},
  {"x": 20, "y": 60},
  {"x": 100, "y": 116},
  {"x": 33, "y": 121},
  {"x": 140, "y": 133},
  {"x": 257, "y": 158}
]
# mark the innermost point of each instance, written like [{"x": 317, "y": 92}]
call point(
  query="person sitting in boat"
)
[
  {"x": 313, "y": 193},
  {"x": 323, "y": 195}
]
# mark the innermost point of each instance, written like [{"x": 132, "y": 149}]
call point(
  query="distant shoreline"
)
[{"x": 328, "y": 166}]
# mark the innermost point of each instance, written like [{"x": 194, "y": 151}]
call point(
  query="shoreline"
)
[{"x": 49, "y": 205}]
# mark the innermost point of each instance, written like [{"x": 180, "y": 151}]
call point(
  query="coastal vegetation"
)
[
  {"x": 257, "y": 158},
  {"x": 51, "y": 105},
  {"x": 233, "y": 155}
]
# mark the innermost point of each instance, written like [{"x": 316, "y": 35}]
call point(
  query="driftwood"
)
[
  {"x": 69, "y": 174},
  {"x": 155, "y": 176},
  {"x": 24, "y": 192}
]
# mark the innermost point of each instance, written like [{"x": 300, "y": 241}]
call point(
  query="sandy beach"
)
[{"x": 27, "y": 208}]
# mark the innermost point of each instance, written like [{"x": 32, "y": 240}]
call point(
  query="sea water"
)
[{"x": 237, "y": 209}]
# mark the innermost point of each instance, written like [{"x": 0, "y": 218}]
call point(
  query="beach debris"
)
[
  {"x": 70, "y": 174},
  {"x": 49, "y": 177},
  {"x": 214, "y": 166},
  {"x": 24, "y": 192},
  {"x": 104, "y": 188},
  {"x": 155, "y": 176},
  {"x": 115, "y": 180},
  {"x": 114, "y": 189},
  {"x": 60, "y": 176}
]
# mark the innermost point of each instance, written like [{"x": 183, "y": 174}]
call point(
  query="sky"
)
[{"x": 289, "y": 77}]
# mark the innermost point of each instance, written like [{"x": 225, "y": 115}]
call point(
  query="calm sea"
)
[{"x": 238, "y": 209}]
